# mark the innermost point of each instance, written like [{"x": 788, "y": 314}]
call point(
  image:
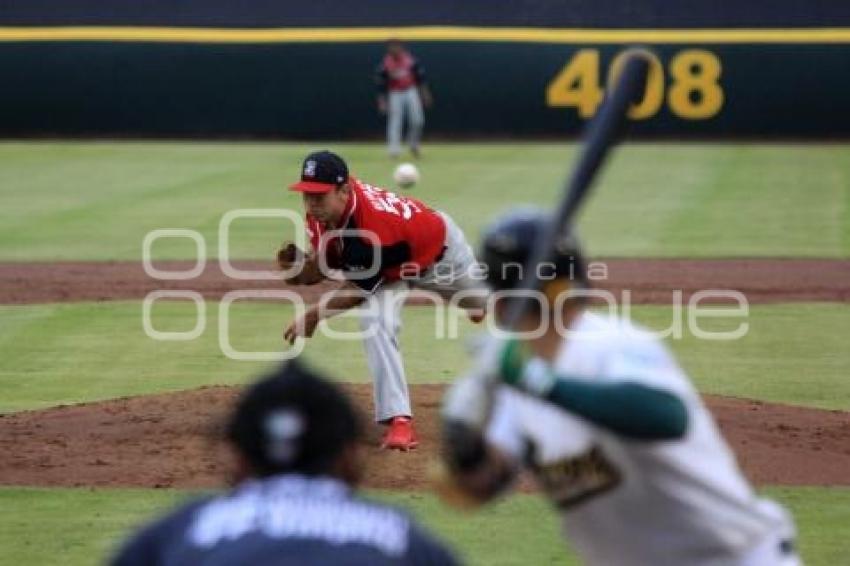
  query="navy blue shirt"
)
[{"x": 285, "y": 520}]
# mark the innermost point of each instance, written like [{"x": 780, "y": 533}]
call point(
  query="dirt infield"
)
[
  {"x": 166, "y": 440},
  {"x": 649, "y": 280}
]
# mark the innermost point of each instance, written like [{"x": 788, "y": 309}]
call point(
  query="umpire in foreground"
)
[{"x": 296, "y": 440}]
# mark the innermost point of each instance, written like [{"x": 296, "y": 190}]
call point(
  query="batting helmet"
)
[{"x": 508, "y": 244}]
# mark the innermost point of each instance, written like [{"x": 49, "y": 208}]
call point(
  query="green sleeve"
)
[{"x": 629, "y": 409}]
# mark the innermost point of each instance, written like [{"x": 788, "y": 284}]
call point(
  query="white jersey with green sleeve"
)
[{"x": 623, "y": 502}]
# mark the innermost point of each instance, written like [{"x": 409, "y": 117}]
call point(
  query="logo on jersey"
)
[
  {"x": 570, "y": 481},
  {"x": 310, "y": 168}
]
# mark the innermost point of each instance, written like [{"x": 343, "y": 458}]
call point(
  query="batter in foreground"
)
[{"x": 608, "y": 423}]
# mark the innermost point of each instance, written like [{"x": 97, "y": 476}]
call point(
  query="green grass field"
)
[
  {"x": 69, "y": 353},
  {"x": 96, "y": 201},
  {"x": 70, "y": 526},
  {"x": 61, "y": 199}
]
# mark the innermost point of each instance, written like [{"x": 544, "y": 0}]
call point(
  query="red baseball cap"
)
[{"x": 321, "y": 173}]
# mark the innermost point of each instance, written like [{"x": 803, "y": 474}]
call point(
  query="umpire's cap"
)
[
  {"x": 508, "y": 243},
  {"x": 293, "y": 421}
]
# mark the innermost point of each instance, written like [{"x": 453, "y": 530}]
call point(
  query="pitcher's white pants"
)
[{"x": 380, "y": 319}]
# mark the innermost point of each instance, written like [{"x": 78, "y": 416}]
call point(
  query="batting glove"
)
[{"x": 519, "y": 369}]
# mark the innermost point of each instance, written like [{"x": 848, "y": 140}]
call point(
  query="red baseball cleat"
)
[{"x": 400, "y": 435}]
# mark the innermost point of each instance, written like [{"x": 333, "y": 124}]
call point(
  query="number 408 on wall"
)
[{"x": 693, "y": 93}]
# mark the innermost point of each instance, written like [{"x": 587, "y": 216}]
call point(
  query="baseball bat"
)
[
  {"x": 600, "y": 136},
  {"x": 465, "y": 415}
]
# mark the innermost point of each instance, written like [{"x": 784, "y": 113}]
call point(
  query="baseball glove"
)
[{"x": 290, "y": 256}]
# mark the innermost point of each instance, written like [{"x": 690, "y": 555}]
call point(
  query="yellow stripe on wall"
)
[{"x": 422, "y": 33}]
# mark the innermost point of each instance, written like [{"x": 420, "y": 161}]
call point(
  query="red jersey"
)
[
  {"x": 411, "y": 236},
  {"x": 400, "y": 71}
]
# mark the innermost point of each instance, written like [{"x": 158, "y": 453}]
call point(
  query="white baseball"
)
[{"x": 406, "y": 175}]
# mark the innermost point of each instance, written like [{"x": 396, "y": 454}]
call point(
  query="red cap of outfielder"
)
[{"x": 322, "y": 172}]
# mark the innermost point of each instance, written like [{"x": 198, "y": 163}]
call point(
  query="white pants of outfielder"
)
[
  {"x": 403, "y": 103},
  {"x": 380, "y": 319}
]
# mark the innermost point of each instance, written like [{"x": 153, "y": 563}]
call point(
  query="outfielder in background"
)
[
  {"x": 382, "y": 244},
  {"x": 296, "y": 440},
  {"x": 402, "y": 93},
  {"x": 611, "y": 427}
]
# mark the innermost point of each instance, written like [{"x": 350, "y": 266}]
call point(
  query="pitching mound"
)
[
  {"x": 169, "y": 440},
  {"x": 648, "y": 280}
]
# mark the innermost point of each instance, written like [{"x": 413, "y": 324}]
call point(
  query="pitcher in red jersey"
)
[
  {"x": 381, "y": 244},
  {"x": 402, "y": 91}
]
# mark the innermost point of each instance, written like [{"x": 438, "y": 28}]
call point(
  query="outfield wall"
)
[{"x": 513, "y": 69}]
